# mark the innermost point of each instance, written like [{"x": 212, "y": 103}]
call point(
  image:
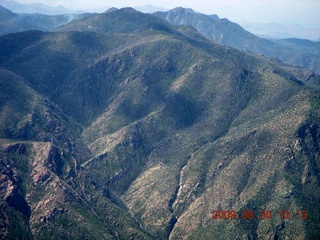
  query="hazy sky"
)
[{"x": 303, "y": 12}]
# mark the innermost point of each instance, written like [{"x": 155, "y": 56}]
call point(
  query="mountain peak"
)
[
  {"x": 124, "y": 20},
  {"x": 231, "y": 34},
  {"x": 128, "y": 10},
  {"x": 182, "y": 10},
  {"x": 111, "y": 10}
]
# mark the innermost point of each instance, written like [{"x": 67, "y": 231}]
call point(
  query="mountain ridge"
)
[
  {"x": 33, "y": 8},
  {"x": 232, "y": 34},
  {"x": 17, "y": 22},
  {"x": 220, "y": 30},
  {"x": 164, "y": 126}
]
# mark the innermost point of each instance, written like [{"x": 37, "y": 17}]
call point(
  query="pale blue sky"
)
[{"x": 303, "y": 12}]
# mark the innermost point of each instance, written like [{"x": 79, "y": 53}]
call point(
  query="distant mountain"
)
[
  {"x": 149, "y": 8},
  {"x": 5, "y": 14},
  {"x": 10, "y": 22},
  {"x": 14, "y": 22},
  {"x": 280, "y": 31},
  {"x": 299, "y": 42},
  {"x": 33, "y": 8},
  {"x": 232, "y": 34},
  {"x": 115, "y": 21},
  {"x": 123, "y": 126}
]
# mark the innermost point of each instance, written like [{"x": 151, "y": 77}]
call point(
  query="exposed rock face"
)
[
  {"x": 11, "y": 194},
  {"x": 19, "y": 149}
]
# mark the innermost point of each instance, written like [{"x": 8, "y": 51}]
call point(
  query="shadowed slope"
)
[{"x": 176, "y": 125}]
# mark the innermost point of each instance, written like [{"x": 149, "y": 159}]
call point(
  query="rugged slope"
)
[
  {"x": 44, "y": 194},
  {"x": 231, "y": 34},
  {"x": 164, "y": 126}
]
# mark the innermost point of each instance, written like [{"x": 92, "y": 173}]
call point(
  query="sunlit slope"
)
[{"x": 166, "y": 127}]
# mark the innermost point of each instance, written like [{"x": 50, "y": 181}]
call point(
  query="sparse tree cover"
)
[{"x": 122, "y": 126}]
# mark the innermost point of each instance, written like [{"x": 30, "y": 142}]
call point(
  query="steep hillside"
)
[
  {"x": 123, "y": 126},
  {"x": 42, "y": 186},
  {"x": 231, "y": 34}
]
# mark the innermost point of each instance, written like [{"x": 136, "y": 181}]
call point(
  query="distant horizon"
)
[{"x": 286, "y": 12}]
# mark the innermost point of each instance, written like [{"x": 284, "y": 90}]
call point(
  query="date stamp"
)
[{"x": 262, "y": 214}]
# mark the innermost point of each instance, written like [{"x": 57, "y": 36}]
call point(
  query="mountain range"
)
[
  {"x": 292, "y": 51},
  {"x": 121, "y": 125},
  {"x": 232, "y": 34},
  {"x": 149, "y": 8},
  {"x": 39, "y": 8},
  {"x": 281, "y": 31},
  {"x": 268, "y": 30},
  {"x": 17, "y": 22}
]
